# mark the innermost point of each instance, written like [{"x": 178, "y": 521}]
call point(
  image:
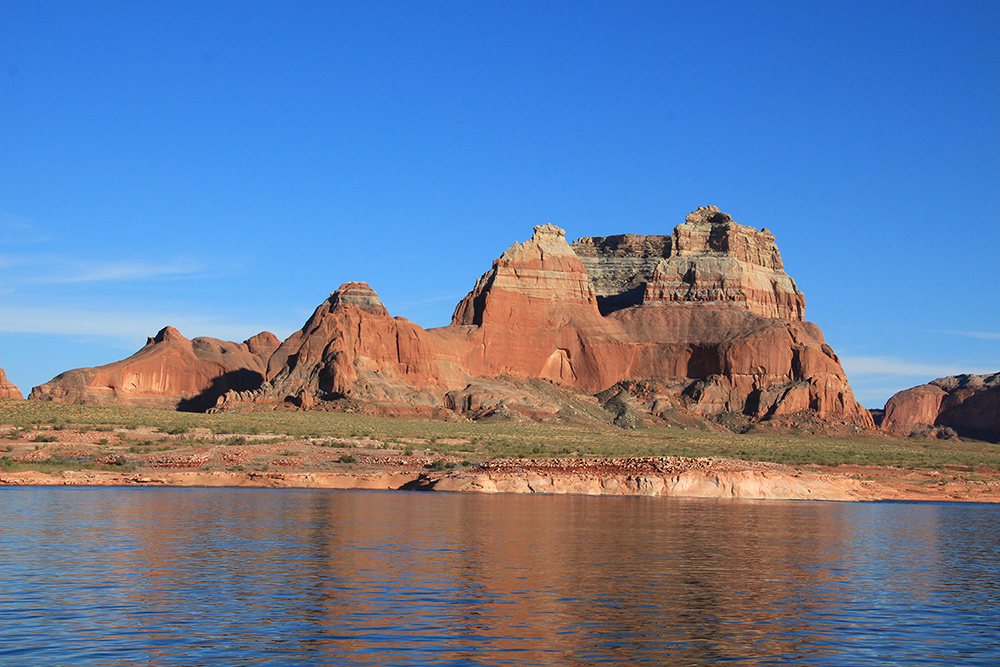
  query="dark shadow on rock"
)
[
  {"x": 612, "y": 302},
  {"x": 243, "y": 379},
  {"x": 422, "y": 483}
]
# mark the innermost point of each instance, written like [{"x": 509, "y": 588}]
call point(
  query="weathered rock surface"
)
[
  {"x": 169, "y": 372},
  {"x": 7, "y": 388},
  {"x": 352, "y": 347},
  {"x": 967, "y": 405},
  {"x": 535, "y": 314},
  {"x": 620, "y": 266},
  {"x": 709, "y": 260},
  {"x": 708, "y": 312}
]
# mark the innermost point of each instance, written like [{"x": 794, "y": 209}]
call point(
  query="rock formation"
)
[
  {"x": 7, "y": 388},
  {"x": 352, "y": 347},
  {"x": 709, "y": 259},
  {"x": 707, "y": 314},
  {"x": 169, "y": 372},
  {"x": 966, "y": 405}
]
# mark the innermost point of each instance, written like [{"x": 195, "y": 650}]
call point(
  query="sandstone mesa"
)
[{"x": 703, "y": 321}]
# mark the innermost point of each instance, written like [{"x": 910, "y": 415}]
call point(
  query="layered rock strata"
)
[
  {"x": 707, "y": 311},
  {"x": 709, "y": 260},
  {"x": 169, "y": 372},
  {"x": 7, "y": 388},
  {"x": 966, "y": 405}
]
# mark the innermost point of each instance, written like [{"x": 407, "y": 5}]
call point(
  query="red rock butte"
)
[{"x": 704, "y": 321}]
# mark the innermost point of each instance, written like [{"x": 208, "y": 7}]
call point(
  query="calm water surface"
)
[{"x": 107, "y": 576}]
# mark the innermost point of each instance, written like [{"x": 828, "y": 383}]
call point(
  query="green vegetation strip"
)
[{"x": 517, "y": 439}]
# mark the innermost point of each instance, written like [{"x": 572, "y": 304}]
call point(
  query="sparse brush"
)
[{"x": 502, "y": 439}]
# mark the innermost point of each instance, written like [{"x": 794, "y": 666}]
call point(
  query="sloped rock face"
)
[
  {"x": 731, "y": 360},
  {"x": 535, "y": 314},
  {"x": 352, "y": 347},
  {"x": 170, "y": 372},
  {"x": 7, "y": 388},
  {"x": 969, "y": 405}
]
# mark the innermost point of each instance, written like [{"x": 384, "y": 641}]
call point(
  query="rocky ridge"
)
[
  {"x": 707, "y": 313},
  {"x": 7, "y": 388},
  {"x": 169, "y": 372},
  {"x": 958, "y": 405}
]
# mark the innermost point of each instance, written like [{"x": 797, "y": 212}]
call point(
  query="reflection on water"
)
[{"x": 229, "y": 576}]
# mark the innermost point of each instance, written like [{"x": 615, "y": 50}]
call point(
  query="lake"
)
[{"x": 155, "y": 576}]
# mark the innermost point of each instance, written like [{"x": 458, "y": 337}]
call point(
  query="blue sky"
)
[{"x": 222, "y": 167}]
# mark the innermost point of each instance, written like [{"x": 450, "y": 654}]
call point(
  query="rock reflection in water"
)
[{"x": 179, "y": 577}]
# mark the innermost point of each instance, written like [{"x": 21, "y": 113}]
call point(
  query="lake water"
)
[{"x": 115, "y": 576}]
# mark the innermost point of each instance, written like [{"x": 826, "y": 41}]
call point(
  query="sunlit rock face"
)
[
  {"x": 707, "y": 312},
  {"x": 7, "y": 388},
  {"x": 169, "y": 372},
  {"x": 709, "y": 259},
  {"x": 963, "y": 405}
]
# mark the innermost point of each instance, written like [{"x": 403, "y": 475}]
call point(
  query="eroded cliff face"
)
[
  {"x": 351, "y": 347},
  {"x": 964, "y": 405},
  {"x": 708, "y": 260},
  {"x": 169, "y": 372},
  {"x": 7, "y": 388},
  {"x": 535, "y": 314},
  {"x": 707, "y": 312}
]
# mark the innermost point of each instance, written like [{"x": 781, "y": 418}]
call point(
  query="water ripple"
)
[{"x": 262, "y": 577}]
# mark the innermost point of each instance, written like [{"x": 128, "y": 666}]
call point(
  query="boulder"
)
[{"x": 7, "y": 388}]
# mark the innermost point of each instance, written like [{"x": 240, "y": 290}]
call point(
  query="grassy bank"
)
[{"x": 18, "y": 419}]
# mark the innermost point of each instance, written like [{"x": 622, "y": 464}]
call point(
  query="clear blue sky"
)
[{"x": 223, "y": 166}]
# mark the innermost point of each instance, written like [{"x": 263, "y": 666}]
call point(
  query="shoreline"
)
[
  {"x": 199, "y": 457},
  {"x": 645, "y": 476}
]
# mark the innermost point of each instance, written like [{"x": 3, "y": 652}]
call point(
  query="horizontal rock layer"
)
[{"x": 709, "y": 260}]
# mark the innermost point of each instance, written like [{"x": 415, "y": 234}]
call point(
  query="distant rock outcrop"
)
[
  {"x": 707, "y": 313},
  {"x": 7, "y": 388},
  {"x": 964, "y": 405},
  {"x": 169, "y": 372}
]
